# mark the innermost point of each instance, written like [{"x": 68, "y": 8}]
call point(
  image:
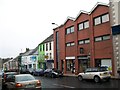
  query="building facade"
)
[
  {"x": 115, "y": 26},
  {"x": 41, "y": 56},
  {"x": 49, "y": 58},
  {"x": 84, "y": 41},
  {"x": 30, "y": 59},
  {"x": 46, "y": 53}
]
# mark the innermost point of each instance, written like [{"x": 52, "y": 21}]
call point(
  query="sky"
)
[{"x": 26, "y": 23}]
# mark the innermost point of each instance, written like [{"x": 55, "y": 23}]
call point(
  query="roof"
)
[
  {"x": 28, "y": 52},
  {"x": 34, "y": 51},
  {"x": 82, "y": 11},
  {"x": 48, "y": 39}
]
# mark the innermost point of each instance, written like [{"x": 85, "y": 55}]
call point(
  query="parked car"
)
[
  {"x": 22, "y": 81},
  {"x": 24, "y": 71},
  {"x": 97, "y": 74},
  {"x": 53, "y": 73},
  {"x": 38, "y": 72},
  {"x": 31, "y": 70},
  {"x": 5, "y": 77}
]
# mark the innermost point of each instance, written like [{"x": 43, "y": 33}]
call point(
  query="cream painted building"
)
[{"x": 115, "y": 25}]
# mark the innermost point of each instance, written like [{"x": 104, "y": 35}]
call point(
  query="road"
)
[{"x": 73, "y": 82}]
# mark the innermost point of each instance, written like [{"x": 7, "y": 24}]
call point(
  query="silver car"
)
[
  {"x": 97, "y": 74},
  {"x": 23, "y": 81}
]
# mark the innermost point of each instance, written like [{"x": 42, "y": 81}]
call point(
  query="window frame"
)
[{"x": 70, "y": 29}]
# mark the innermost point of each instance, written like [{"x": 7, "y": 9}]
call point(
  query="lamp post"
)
[{"x": 57, "y": 48}]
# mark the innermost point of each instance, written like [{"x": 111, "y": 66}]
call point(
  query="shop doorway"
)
[{"x": 71, "y": 66}]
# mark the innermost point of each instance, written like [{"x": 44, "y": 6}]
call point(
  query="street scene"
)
[
  {"x": 82, "y": 52},
  {"x": 73, "y": 82}
]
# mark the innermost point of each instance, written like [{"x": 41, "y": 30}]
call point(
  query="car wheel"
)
[
  {"x": 96, "y": 79},
  {"x": 80, "y": 78},
  {"x": 52, "y": 75}
]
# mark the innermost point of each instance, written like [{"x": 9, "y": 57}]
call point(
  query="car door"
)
[
  {"x": 86, "y": 73},
  {"x": 10, "y": 81}
]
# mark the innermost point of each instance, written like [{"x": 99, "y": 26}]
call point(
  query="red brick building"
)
[{"x": 84, "y": 41}]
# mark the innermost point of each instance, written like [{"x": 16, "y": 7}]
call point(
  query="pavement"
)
[{"x": 73, "y": 75}]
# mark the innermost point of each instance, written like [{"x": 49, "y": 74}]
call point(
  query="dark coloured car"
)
[
  {"x": 53, "y": 73},
  {"x": 38, "y": 72},
  {"x": 24, "y": 71},
  {"x": 5, "y": 77}
]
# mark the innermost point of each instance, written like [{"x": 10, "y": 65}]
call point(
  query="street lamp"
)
[
  {"x": 57, "y": 48},
  {"x": 55, "y": 24}
]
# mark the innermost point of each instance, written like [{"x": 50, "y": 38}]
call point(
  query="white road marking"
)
[{"x": 63, "y": 86}]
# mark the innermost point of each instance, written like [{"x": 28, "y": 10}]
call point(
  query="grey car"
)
[{"x": 22, "y": 81}]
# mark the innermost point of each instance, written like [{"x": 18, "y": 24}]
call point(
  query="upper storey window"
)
[
  {"x": 83, "y": 25},
  {"x": 101, "y": 19},
  {"x": 70, "y": 30}
]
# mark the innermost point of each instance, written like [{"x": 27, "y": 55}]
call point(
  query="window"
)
[
  {"x": 86, "y": 24},
  {"x": 43, "y": 47},
  {"x": 105, "y": 18},
  {"x": 50, "y": 45},
  {"x": 97, "y": 21},
  {"x": 87, "y": 41},
  {"x": 50, "y": 56},
  {"x": 81, "y": 50},
  {"x": 70, "y": 44},
  {"x": 70, "y": 30},
  {"x": 81, "y": 42},
  {"x": 46, "y": 47},
  {"x": 98, "y": 39},
  {"x": 101, "y": 19},
  {"x": 107, "y": 37},
  {"x": 80, "y": 26},
  {"x": 102, "y": 38},
  {"x": 40, "y": 48}
]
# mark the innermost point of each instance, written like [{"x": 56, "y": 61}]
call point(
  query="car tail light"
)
[
  {"x": 38, "y": 83},
  {"x": 18, "y": 85}
]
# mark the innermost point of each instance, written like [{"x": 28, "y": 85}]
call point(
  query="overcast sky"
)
[{"x": 26, "y": 23}]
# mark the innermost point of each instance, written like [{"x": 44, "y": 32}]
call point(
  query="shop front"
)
[
  {"x": 83, "y": 63},
  {"x": 70, "y": 64}
]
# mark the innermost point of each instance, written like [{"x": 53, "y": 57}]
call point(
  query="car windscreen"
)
[
  {"x": 24, "y": 78},
  {"x": 103, "y": 69}
]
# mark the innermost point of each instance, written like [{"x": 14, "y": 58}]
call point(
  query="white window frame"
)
[
  {"x": 97, "y": 39},
  {"x": 72, "y": 29},
  {"x": 97, "y": 20},
  {"x": 68, "y": 31},
  {"x": 86, "y": 24},
  {"x": 72, "y": 44},
  {"x": 105, "y": 18},
  {"x": 87, "y": 41},
  {"x": 81, "y": 42},
  {"x": 68, "y": 44},
  {"x": 80, "y": 26}
]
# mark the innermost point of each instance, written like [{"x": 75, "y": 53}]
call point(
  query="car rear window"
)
[{"x": 24, "y": 78}]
